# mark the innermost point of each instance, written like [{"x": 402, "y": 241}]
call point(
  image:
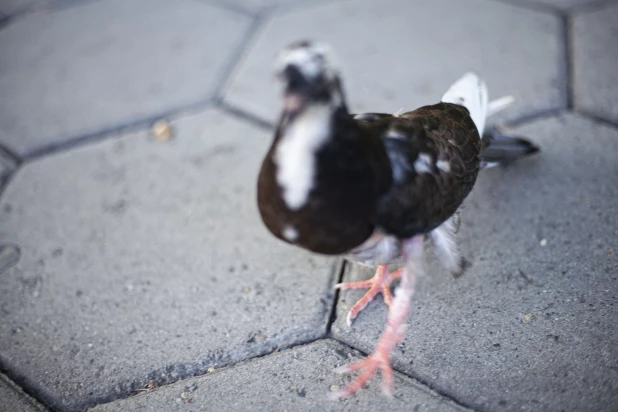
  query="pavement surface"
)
[{"x": 135, "y": 273}]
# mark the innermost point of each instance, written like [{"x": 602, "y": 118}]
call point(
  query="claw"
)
[
  {"x": 369, "y": 366},
  {"x": 379, "y": 283}
]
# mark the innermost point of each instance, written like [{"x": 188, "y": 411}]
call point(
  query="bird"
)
[{"x": 372, "y": 187}]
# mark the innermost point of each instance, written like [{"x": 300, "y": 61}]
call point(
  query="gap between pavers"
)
[
  {"x": 14, "y": 399},
  {"x": 297, "y": 379}
]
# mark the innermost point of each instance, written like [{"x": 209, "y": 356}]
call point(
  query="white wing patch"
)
[
  {"x": 395, "y": 134},
  {"x": 444, "y": 165},
  {"x": 295, "y": 155},
  {"x": 423, "y": 163},
  {"x": 290, "y": 233}
]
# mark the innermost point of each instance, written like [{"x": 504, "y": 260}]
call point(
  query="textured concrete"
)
[
  {"x": 532, "y": 325},
  {"x": 13, "y": 399},
  {"x": 595, "y": 64},
  {"x": 102, "y": 64},
  {"x": 398, "y": 53},
  {"x": 147, "y": 260},
  {"x": 298, "y": 379}
]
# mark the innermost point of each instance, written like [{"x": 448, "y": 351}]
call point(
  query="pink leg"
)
[
  {"x": 380, "y": 282},
  {"x": 393, "y": 334}
]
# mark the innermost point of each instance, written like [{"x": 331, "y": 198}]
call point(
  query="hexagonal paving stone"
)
[
  {"x": 595, "y": 62},
  {"x": 15, "y": 400},
  {"x": 296, "y": 380},
  {"x": 533, "y": 324},
  {"x": 147, "y": 260},
  {"x": 96, "y": 66},
  {"x": 398, "y": 53}
]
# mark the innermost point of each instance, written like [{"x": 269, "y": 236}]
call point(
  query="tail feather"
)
[
  {"x": 470, "y": 91},
  {"x": 500, "y": 149},
  {"x": 500, "y": 104}
]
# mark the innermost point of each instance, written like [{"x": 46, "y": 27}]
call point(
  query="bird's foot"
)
[
  {"x": 380, "y": 282},
  {"x": 380, "y": 359}
]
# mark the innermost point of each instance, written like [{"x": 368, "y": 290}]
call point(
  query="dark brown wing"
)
[{"x": 434, "y": 153}]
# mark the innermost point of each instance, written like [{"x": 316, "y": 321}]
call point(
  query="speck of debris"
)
[
  {"x": 9, "y": 256},
  {"x": 161, "y": 131},
  {"x": 543, "y": 242},
  {"x": 302, "y": 393},
  {"x": 334, "y": 388},
  {"x": 257, "y": 338},
  {"x": 339, "y": 354},
  {"x": 191, "y": 388},
  {"x": 148, "y": 387},
  {"x": 210, "y": 370},
  {"x": 554, "y": 337},
  {"x": 186, "y": 397},
  {"x": 529, "y": 317}
]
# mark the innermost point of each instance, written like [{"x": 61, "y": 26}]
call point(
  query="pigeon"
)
[{"x": 372, "y": 187}]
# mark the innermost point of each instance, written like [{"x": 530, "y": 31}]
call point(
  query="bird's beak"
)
[{"x": 296, "y": 87}]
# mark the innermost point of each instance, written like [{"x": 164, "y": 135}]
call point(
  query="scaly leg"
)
[
  {"x": 412, "y": 250},
  {"x": 380, "y": 282}
]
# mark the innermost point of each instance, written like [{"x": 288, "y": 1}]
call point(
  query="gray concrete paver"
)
[
  {"x": 595, "y": 61},
  {"x": 298, "y": 379},
  {"x": 533, "y": 323},
  {"x": 13, "y": 399},
  {"x": 102, "y": 64},
  {"x": 397, "y": 53},
  {"x": 147, "y": 260}
]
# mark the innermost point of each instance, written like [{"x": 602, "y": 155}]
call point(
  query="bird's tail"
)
[
  {"x": 470, "y": 91},
  {"x": 499, "y": 149}
]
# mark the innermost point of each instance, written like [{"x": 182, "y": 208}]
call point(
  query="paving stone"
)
[
  {"x": 14, "y": 399},
  {"x": 147, "y": 260},
  {"x": 595, "y": 61},
  {"x": 533, "y": 324},
  {"x": 102, "y": 64},
  {"x": 297, "y": 380},
  {"x": 398, "y": 53}
]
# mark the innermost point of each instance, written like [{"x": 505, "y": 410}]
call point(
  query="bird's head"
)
[{"x": 309, "y": 73}]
